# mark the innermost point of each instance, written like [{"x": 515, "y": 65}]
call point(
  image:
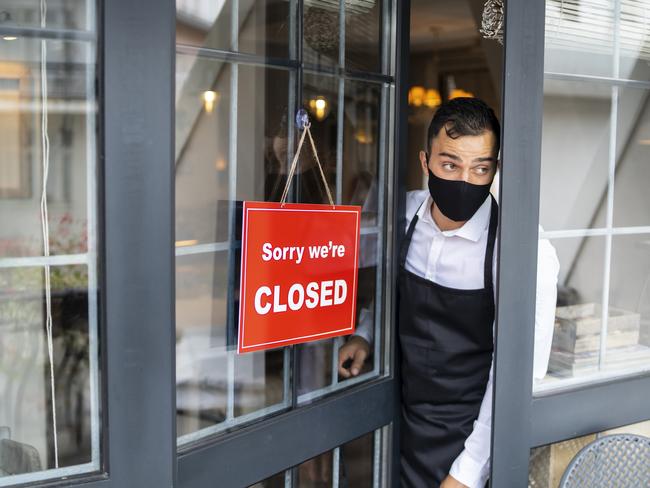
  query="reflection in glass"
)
[
  {"x": 316, "y": 472},
  {"x": 629, "y": 296},
  {"x": 263, "y": 26},
  {"x": 360, "y": 148},
  {"x": 633, "y": 37},
  {"x": 202, "y": 145},
  {"x": 216, "y": 388},
  {"x": 262, "y": 136},
  {"x": 48, "y": 270},
  {"x": 356, "y": 462},
  {"x": 321, "y": 33},
  {"x": 62, "y": 14},
  {"x": 363, "y": 44},
  {"x": 579, "y": 37},
  {"x": 201, "y": 358},
  {"x": 26, "y": 422},
  {"x": 71, "y": 113},
  {"x": 631, "y": 196},
  {"x": 575, "y": 149},
  {"x": 276, "y": 481},
  {"x": 359, "y": 186}
]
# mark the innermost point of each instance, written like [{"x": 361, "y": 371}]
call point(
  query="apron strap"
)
[
  {"x": 407, "y": 238},
  {"x": 489, "y": 249}
]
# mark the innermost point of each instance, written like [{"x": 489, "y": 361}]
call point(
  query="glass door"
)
[{"x": 243, "y": 69}]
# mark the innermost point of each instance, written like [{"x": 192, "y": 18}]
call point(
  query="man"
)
[{"x": 446, "y": 304}]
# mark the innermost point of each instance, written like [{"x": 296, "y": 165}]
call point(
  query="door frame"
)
[{"x": 521, "y": 420}]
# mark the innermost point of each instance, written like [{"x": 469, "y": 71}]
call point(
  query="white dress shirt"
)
[{"x": 455, "y": 259}]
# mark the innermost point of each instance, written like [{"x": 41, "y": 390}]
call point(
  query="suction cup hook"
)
[{"x": 302, "y": 119}]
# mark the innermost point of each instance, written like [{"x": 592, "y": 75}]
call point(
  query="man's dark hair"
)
[{"x": 464, "y": 117}]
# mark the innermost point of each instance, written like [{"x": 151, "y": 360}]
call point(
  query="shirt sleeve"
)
[
  {"x": 472, "y": 466},
  {"x": 365, "y": 327}
]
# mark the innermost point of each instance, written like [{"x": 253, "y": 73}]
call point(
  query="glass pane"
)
[
  {"x": 315, "y": 360},
  {"x": 49, "y": 416},
  {"x": 61, "y": 14},
  {"x": 579, "y": 37},
  {"x": 27, "y": 425},
  {"x": 321, "y": 33},
  {"x": 363, "y": 20},
  {"x": 264, "y": 27},
  {"x": 633, "y": 37},
  {"x": 320, "y": 97},
  {"x": 216, "y": 388},
  {"x": 316, "y": 472},
  {"x": 548, "y": 463},
  {"x": 201, "y": 340},
  {"x": 276, "y": 481},
  {"x": 356, "y": 463},
  {"x": 202, "y": 150},
  {"x": 628, "y": 331},
  {"x": 262, "y": 137},
  {"x": 575, "y": 150},
  {"x": 361, "y": 148},
  {"x": 213, "y": 384},
  {"x": 70, "y": 75},
  {"x": 576, "y": 339},
  {"x": 631, "y": 196}
]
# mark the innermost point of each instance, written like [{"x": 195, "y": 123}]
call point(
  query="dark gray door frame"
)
[
  {"x": 139, "y": 305},
  {"x": 518, "y": 235},
  {"x": 520, "y": 420}
]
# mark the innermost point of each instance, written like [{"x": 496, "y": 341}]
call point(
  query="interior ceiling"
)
[{"x": 440, "y": 24}]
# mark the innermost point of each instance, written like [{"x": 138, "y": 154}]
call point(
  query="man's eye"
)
[
  {"x": 448, "y": 166},
  {"x": 482, "y": 170}
]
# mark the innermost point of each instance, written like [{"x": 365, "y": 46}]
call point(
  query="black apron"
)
[{"x": 446, "y": 352}]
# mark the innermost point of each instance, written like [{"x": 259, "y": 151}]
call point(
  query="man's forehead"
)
[{"x": 484, "y": 142}]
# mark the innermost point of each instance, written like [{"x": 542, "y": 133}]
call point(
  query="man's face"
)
[{"x": 467, "y": 158}]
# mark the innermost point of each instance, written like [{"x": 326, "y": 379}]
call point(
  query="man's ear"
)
[{"x": 424, "y": 162}]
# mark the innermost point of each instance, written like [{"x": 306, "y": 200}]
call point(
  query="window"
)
[
  {"x": 242, "y": 72},
  {"x": 594, "y": 205},
  {"x": 49, "y": 277}
]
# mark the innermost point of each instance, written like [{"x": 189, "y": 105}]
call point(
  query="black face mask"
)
[{"x": 457, "y": 200}]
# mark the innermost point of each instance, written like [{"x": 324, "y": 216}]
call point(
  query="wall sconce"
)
[
  {"x": 429, "y": 97},
  {"x": 416, "y": 96},
  {"x": 320, "y": 107},
  {"x": 210, "y": 98},
  {"x": 363, "y": 137},
  {"x": 460, "y": 93},
  {"x": 432, "y": 98}
]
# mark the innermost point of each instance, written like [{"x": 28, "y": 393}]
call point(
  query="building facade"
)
[{"x": 132, "y": 132}]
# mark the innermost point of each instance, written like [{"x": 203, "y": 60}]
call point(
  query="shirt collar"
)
[{"x": 471, "y": 230}]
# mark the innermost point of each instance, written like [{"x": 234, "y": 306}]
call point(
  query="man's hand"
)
[
  {"x": 451, "y": 482},
  {"x": 356, "y": 349}
]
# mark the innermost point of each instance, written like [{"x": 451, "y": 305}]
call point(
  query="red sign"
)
[{"x": 298, "y": 273}]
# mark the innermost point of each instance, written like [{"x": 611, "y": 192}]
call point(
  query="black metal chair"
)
[{"x": 612, "y": 461}]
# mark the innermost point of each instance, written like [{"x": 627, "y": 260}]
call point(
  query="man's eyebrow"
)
[
  {"x": 483, "y": 160},
  {"x": 449, "y": 155}
]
